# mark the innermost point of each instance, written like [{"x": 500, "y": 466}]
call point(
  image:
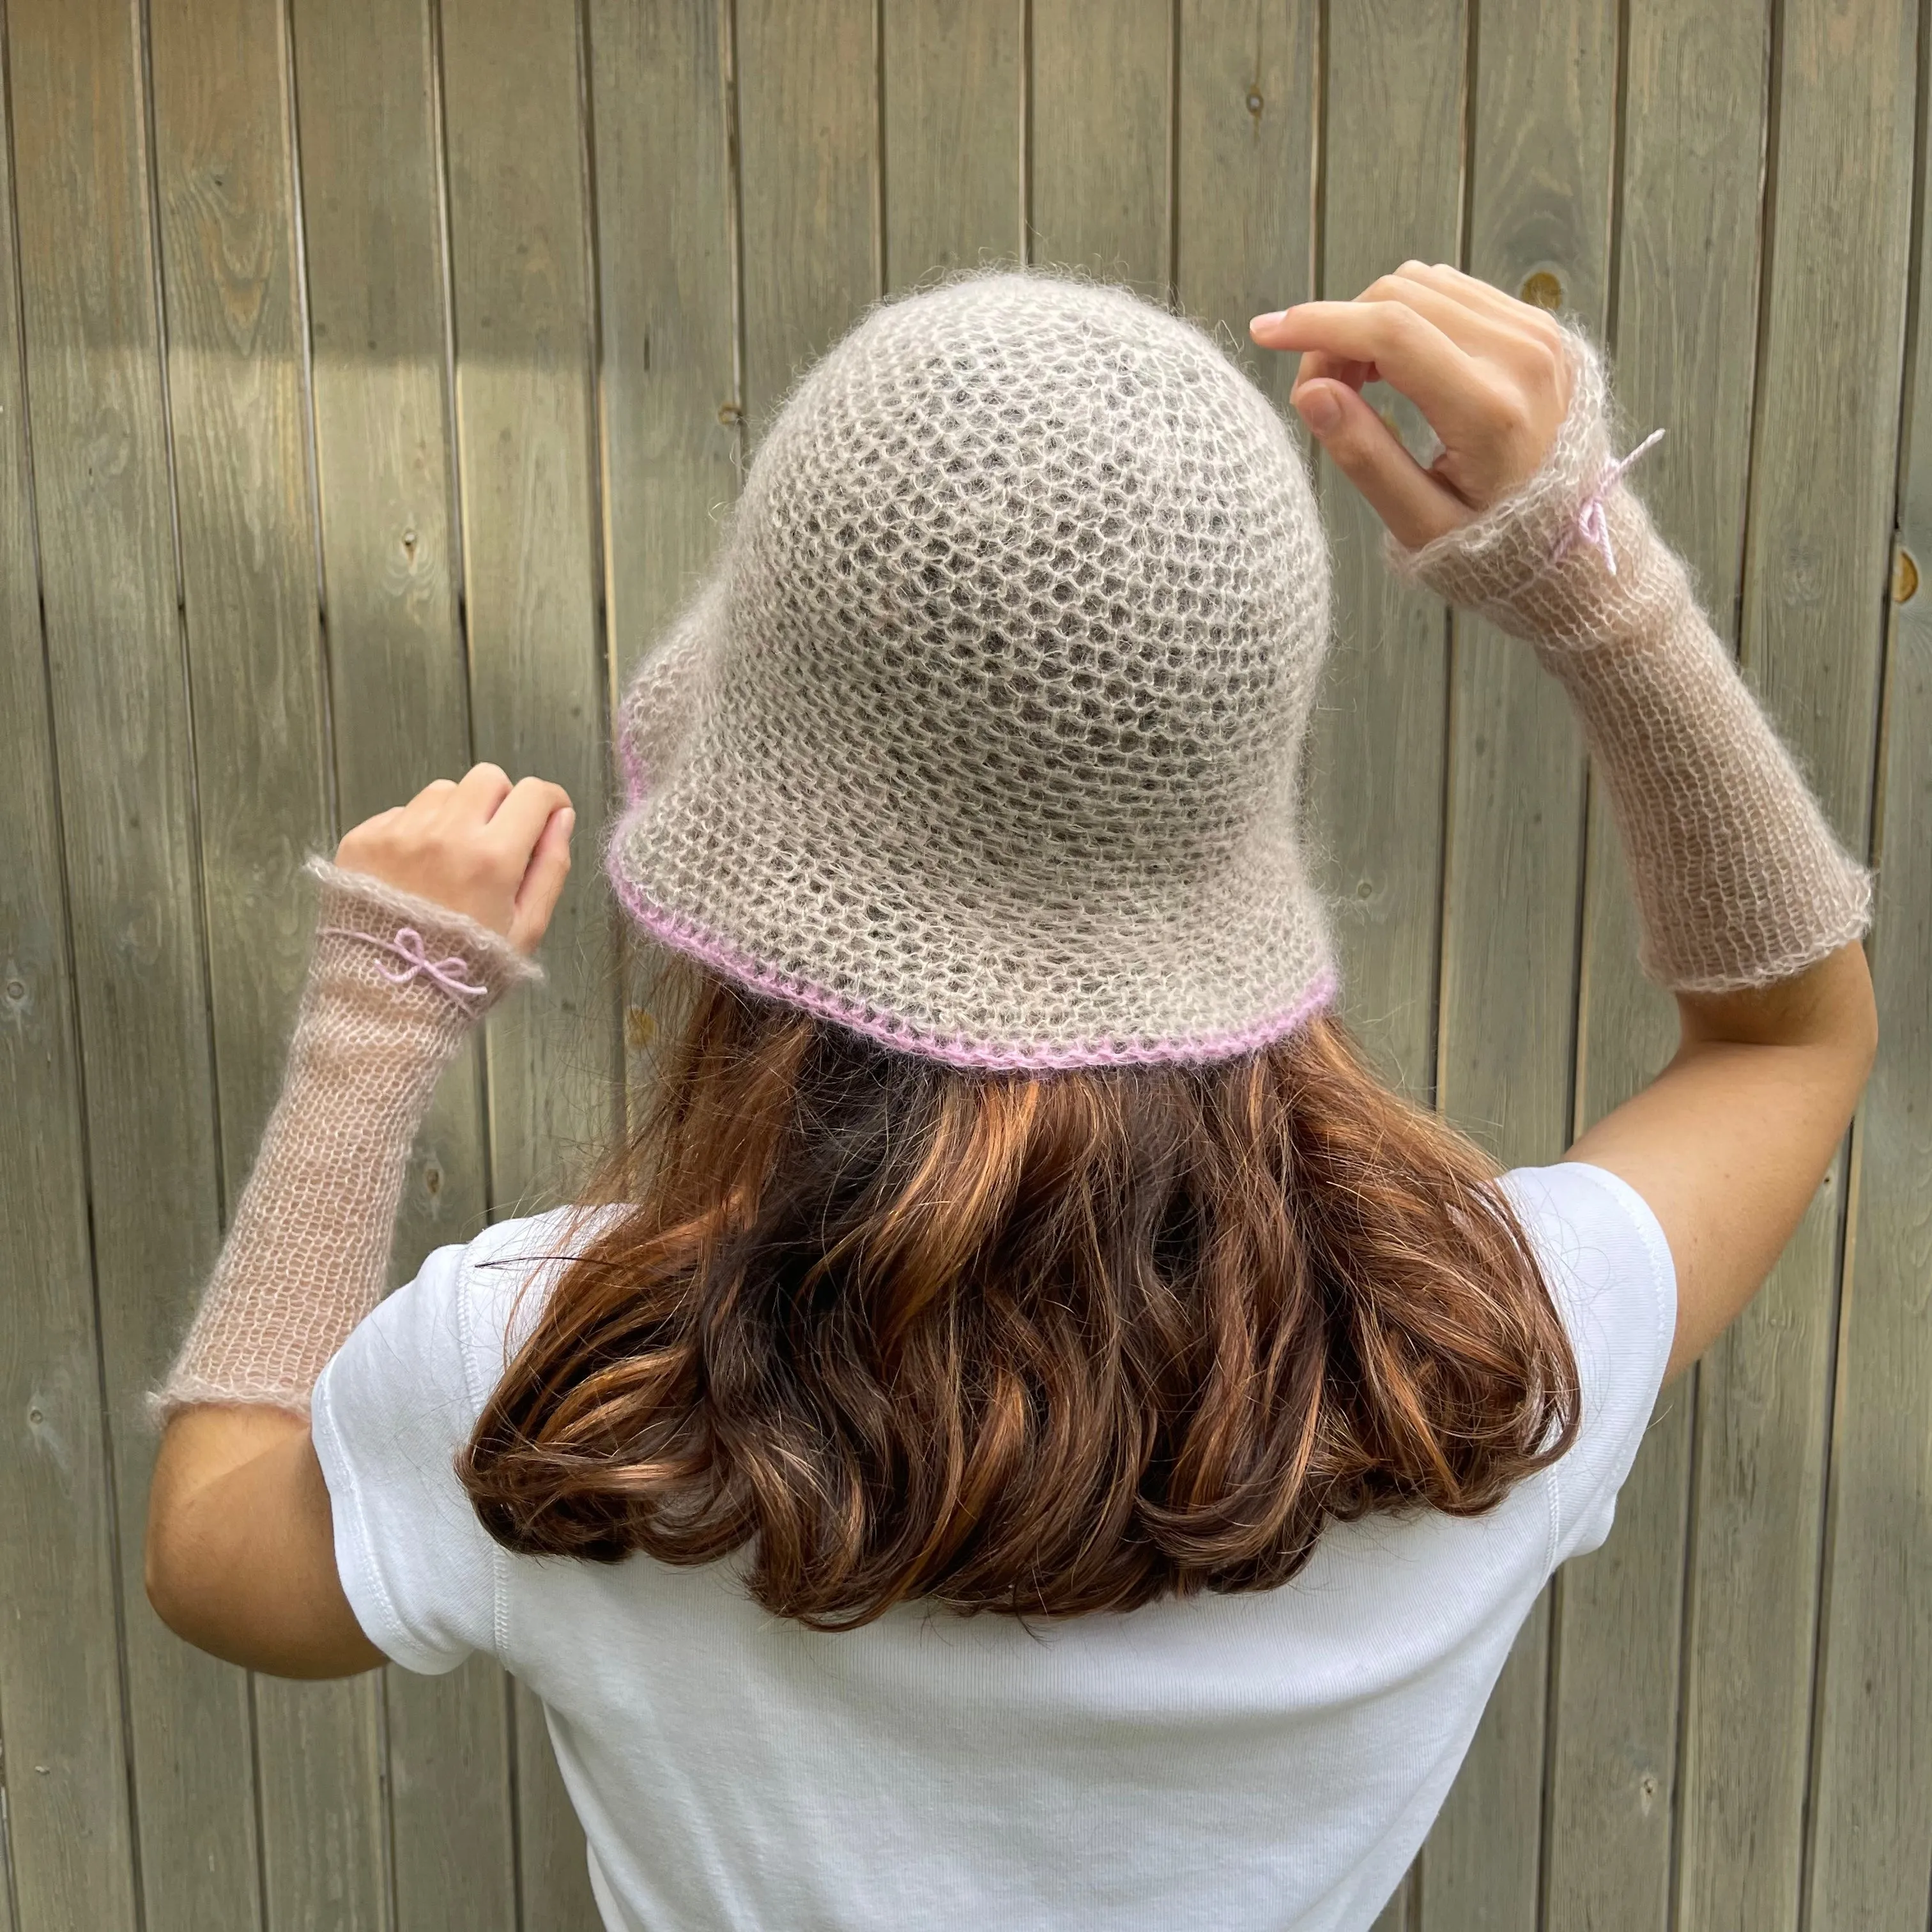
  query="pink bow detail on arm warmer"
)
[
  {"x": 1592, "y": 525},
  {"x": 408, "y": 946}
]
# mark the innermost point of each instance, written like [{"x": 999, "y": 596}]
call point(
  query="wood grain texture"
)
[
  {"x": 1540, "y": 202},
  {"x": 123, "y": 742},
  {"x": 808, "y": 144},
  {"x": 1871, "y": 1862},
  {"x": 238, "y": 401},
  {"x": 1244, "y": 170},
  {"x": 67, "y": 1853},
  {"x": 669, "y": 404},
  {"x": 323, "y": 1775},
  {"x": 522, "y": 283},
  {"x": 1394, "y": 174},
  {"x": 367, "y": 102},
  {"x": 1398, "y": 1915},
  {"x": 630, "y": 296},
  {"x": 668, "y": 412},
  {"x": 671, "y": 412},
  {"x": 1817, "y": 568},
  {"x": 1394, "y": 168},
  {"x": 525, "y": 410},
  {"x": 1687, "y": 278},
  {"x": 953, "y": 78},
  {"x": 385, "y": 460},
  {"x": 1100, "y": 135}
]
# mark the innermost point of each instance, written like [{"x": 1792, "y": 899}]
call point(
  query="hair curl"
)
[{"x": 1035, "y": 1344}]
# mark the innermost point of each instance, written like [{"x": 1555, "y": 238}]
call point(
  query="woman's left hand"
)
[
  {"x": 1489, "y": 373},
  {"x": 496, "y": 851}
]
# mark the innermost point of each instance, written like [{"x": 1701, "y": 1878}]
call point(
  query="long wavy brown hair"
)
[{"x": 1041, "y": 1344}]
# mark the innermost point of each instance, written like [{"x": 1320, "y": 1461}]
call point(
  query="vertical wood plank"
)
[
  {"x": 521, "y": 277},
  {"x": 1871, "y": 1798},
  {"x": 367, "y": 112},
  {"x": 1694, "y": 131},
  {"x": 953, "y": 80},
  {"x": 808, "y": 145},
  {"x": 1393, "y": 175},
  {"x": 1244, "y": 169},
  {"x": 238, "y": 395},
  {"x": 123, "y": 740},
  {"x": 67, "y": 1853},
  {"x": 669, "y": 405},
  {"x": 1539, "y": 203},
  {"x": 1822, "y": 480},
  {"x": 668, "y": 412},
  {"x": 1102, "y": 88},
  {"x": 370, "y": 142}
]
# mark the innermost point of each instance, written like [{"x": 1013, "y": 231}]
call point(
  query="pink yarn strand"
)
[
  {"x": 686, "y": 935},
  {"x": 1592, "y": 525},
  {"x": 408, "y": 945}
]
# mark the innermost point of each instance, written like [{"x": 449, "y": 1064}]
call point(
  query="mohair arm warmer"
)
[
  {"x": 395, "y": 985},
  {"x": 1737, "y": 879}
]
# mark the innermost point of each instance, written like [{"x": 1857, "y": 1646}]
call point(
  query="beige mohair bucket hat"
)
[{"x": 982, "y": 737}]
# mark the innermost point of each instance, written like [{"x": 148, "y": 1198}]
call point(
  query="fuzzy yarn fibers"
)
[{"x": 981, "y": 737}]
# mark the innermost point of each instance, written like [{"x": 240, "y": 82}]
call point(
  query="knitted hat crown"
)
[{"x": 982, "y": 737}]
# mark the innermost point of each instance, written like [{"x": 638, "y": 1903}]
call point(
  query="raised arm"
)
[
  {"x": 428, "y": 918},
  {"x": 1750, "y": 912}
]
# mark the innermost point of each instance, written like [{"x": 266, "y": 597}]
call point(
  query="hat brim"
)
[{"x": 839, "y": 924}]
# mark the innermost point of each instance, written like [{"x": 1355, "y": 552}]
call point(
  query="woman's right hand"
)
[
  {"x": 1488, "y": 372},
  {"x": 498, "y": 852}
]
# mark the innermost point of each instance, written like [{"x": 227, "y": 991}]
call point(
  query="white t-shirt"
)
[{"x": 1272, "y": 1760}]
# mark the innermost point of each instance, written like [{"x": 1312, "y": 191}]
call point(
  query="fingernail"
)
[
  {"x": 1319, "y": 410},
  {"x": 1267, "y": 321}
]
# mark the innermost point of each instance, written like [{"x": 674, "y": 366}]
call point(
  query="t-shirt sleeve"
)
[
  {"x": 1609, "y": 1271},
  {"x": 388, "y": 1417}
]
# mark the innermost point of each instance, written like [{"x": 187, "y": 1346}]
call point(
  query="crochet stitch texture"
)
[
  {"x": 982, "y": 735},
  {"x": 308, "y": 1253},
  {"x": 1738, "y": 878}
]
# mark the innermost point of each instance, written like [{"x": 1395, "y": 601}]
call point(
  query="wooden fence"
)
[{"x": 371, "y": 374}]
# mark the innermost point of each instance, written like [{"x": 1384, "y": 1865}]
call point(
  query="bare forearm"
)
[{"x": 431, "y": 915}]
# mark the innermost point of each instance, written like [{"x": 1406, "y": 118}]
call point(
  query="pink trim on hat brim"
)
[{"x": 686, "y": 935}]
